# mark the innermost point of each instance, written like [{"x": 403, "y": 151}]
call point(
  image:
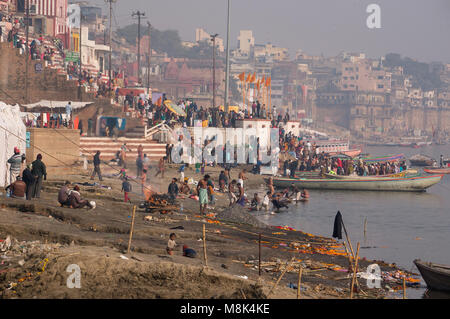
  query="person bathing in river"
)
[{"x": 277, "y": 203}]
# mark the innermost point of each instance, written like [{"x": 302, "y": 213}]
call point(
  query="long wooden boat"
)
[
  {"x": 445, "y": 170},
  {"x": 401, "y": 184},
  {"x": 436, "y": 276},
  {"x": 407, "y": 173}
]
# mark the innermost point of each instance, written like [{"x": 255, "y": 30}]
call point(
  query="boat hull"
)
[
  {"x": 409, "y": 184},
  {"x": 348, "y": 177},
  {"x": 437, "y": 277}
]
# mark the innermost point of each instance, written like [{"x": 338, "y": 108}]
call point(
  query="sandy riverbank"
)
[{"x": 96, "y": 240}]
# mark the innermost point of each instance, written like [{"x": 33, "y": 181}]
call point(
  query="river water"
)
[{"x": 401, "y": 226}]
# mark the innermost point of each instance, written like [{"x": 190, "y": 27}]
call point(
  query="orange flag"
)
[
  {"x": 242, "y": 76},
  {"x": 263, "y": 80},
  {"x": 249, "y": 77},
  {"x": 258, "y": 84},
  {"x": 253, "y": 78},
  {"x": 268, "y": 81}
]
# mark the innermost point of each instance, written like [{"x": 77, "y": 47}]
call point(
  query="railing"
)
[{"x": 149, "y": 132}]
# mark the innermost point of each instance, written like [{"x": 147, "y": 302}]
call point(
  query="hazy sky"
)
[{"x": 415, "y": 28}]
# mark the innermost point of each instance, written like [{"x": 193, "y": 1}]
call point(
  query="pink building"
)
[{"x": 56, "y": 13}]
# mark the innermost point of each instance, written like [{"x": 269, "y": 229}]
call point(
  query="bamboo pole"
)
[
  {"x": 348, "y": 255},
  {"x": 204, "y": 246},
  {"x": 131, "y": 229},
  {"x": 300, "y": 271},
  {"x": 355, "y": 269},
  {"x": 348, "y": 240},
  {"x": 288, "y": 264},
  {"x": 259, "y": 262}
]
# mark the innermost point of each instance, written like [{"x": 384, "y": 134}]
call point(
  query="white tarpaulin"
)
[
  {"x": 11, "y": 121},
  {"x": 57, "y": 104}
]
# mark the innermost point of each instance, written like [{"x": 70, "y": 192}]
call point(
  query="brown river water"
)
[{"x": 401, "y": 226}]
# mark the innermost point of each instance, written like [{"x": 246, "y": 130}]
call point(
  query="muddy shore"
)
[{"x": 46, "y": 239}]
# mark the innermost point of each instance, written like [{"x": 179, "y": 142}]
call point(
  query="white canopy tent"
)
[
  {"x": 56, "y": 104},
  {"x": 12, "y": 134}
]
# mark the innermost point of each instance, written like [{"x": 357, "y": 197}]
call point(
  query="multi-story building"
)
[
  {"x": 246, "y": 42},
  {"x": 269, "y": 50},
  {"x": 360, "y": 75},
  {"x": 202, "y": 36}
]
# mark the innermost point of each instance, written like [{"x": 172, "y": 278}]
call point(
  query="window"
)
[{"x": 380, "y": 86}]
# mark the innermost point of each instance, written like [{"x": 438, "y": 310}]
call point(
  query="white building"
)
[
  {"x": 202, "y": 35},
  {"x": 94, "y": 56},
  {"x": 246, "y": 42}
]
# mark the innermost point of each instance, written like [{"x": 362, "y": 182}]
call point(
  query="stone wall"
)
[
  {"x": 44, "y": 83},
  {"x": 56, "y": 143}
]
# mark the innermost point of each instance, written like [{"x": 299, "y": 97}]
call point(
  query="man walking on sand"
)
[{"x": 97, "y": 167}]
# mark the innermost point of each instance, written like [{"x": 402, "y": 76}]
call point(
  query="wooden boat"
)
[
  {"x": 436, "y": 276},
  {"x": 445, "y": 170},
  {"x": 401, "y": 184},
  {"x": 422, "y": 160},
  {"x": 407, "y": 173}
]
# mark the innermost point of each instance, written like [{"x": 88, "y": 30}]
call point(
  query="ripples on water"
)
[{"x": 401, "y": 226}]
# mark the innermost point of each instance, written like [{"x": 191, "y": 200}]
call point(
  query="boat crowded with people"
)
[{"x": 401, "y": 184}]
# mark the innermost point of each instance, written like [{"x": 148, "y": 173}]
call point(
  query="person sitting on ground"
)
[
  {"x": 185, "y": 188},
  {"x": 255, "y": 204},
  {"x": 189, "y": 252},
  {"x": 266, "y": 202},
  {"x": 63, "y": 195},
  {"x": 17, "y": 189},
  {"x": 171, "y": 244},
  {"x": 76, "y": 201},
  {"x": 126, "y": 188}
]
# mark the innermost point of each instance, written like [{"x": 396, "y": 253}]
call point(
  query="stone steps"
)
[{"x": 108, "y": 147}]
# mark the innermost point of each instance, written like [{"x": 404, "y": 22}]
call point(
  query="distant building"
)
[
  {"x": 246, "y": 42},
  {"x": 360, "y": 75},
  {"x": 277, "y": 54},
  {"x": 201, "y": 35}
]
